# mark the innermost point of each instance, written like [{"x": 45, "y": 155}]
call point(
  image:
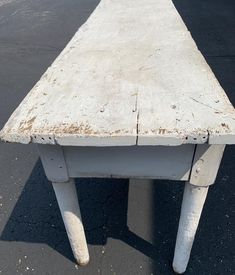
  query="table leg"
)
[
  {"x": 192, "y": 205},
  {"x": 68, "y": 203}
]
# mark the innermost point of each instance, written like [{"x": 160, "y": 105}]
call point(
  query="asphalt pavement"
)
[{"x": 130, "y": 228}]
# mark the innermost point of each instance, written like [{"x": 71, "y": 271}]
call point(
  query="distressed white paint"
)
[
  {"x": 159, "y": 162},
  {"x": 68, "y": 202},
  {"x": 53, "y": 162},
  {"x": 132, "y": 75},
  {"x": 206, "y": 164},
  {"x": 192, "y": 205},
  {"x": 132, "y": 67}
]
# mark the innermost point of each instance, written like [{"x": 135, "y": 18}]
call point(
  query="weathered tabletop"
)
[{"x": 132, "y": 74}]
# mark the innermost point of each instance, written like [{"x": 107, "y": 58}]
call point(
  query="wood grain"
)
[{"x": 132, "y": 74}]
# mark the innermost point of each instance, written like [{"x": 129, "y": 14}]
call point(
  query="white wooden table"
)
[{"x": 130, "y": 96}]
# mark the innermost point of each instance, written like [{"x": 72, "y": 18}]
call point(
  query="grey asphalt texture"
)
[{"x": 131, "y": 229}]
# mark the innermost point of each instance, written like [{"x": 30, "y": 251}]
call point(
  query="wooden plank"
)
[
  {"x": 158, "y": 162},
  {"x": 181, "y": 101},
  {"x": 131, "y": 75},
  {"x": 84, "y": 97}
]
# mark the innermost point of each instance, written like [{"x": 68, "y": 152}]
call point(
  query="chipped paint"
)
[
  {"x": 147, "y": 92},
  {"x": 27, "y": 125}
]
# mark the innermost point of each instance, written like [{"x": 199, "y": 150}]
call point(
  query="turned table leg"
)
[
  {"x": 205, "y": 166},
  {"x": 68, "y": 203},
  {"x": 192, "y": 205},
  {"x": 55, "y": 167}
]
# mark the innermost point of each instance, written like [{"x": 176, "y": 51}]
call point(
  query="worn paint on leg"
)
[
  {"x": 68, "y": 202},
  {"x": 192, "y": 205}
]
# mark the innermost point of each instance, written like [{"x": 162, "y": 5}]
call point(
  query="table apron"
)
[{"x": 156, "y": 162}]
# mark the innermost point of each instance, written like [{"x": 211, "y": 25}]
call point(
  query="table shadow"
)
[{"x": 104, "y": 207}]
